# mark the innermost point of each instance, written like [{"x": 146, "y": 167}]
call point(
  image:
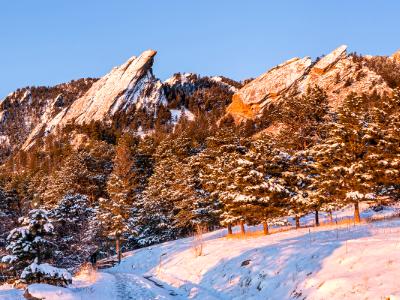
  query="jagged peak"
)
[
  {"x": 181, "y": 78},
  {"x": 326, "y": 62},
  {"x": 336, "y": 73},
  {"x": 396, "y": 56},
  {"x": 275, "y": 80},
  {"x": 131, "y": 83}
]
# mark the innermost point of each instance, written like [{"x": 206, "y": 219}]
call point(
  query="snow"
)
[
  {"x": 8, "y": 292},
  {"x": 219, "y": 80},
  {"x": 180, "y": 78},
  {"x": 4, "y": 140},
  {"x": 46, "y": 269},
  {"x": 176, "y": 114},
  {"x": 327, "y": 262}
]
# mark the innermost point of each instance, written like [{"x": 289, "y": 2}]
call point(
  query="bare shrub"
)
[
  {"x": 87, "y": 272},
  {"x": 198, "y": 242}
]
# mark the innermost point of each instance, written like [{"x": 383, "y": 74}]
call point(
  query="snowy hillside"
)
[{"x": 330, "y": 262}]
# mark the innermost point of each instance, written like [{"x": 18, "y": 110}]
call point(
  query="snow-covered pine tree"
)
[
  {"x": 75, "y": 230},
  {"x": 258, "y": 189},
  {"x": 30, "y": 248},
  {"x": 114, "y": 213},
  {"x": 10, "y": 211},
  {"x": 170, "y": 194},
  {"x": 73, "y": 177},
  {"x": 206, "y": 209},
  {"x": 345, "y": 158},
  {"x": 300, "y": 176},
  {"x": 221, "y": 152},
  {"x": 142, "y": 169},
  {"x": 384, "y": 132},
  {"x": 303, "y": 117}
]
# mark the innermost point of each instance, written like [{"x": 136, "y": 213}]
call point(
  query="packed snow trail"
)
[{"x": 132, "y": 287}]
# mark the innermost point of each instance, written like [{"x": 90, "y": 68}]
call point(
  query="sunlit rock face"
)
[
  {"x": 131, "y": 84},
  {"x": 337, "y": 73},
  {"x": 250, "y": 99},
  {"x": 396, "y": 56}
]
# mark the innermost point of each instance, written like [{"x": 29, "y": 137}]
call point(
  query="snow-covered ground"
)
[{"x": 329, "y": 262}]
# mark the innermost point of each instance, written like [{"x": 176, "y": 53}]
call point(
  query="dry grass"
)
[
  {"x": 258, "y": 233},
  {"x": 87, "y": 272},
  {"x": 342, "y": 222}
]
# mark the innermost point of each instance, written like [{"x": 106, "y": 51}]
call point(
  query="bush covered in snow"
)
[{"x": 45, "y": 273}]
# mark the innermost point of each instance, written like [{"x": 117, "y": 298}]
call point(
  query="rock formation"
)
[
  {"x": 336, "y": 73},
  {"x": 396, "y": 56},
  {"x": 132, "y": 83}
]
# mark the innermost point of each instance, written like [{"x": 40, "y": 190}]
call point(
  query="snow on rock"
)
[
  {"x": 4, "y": 139},
  {"x": 124, "y": 84},
  {"x": 179, "y": 78},
  {"x": 221, "y": 81},
  {"x": 176, "y": 114}
]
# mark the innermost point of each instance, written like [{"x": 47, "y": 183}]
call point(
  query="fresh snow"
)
[
  {"x": 328, "y": 262},
  {"x": 4, "y": 139},
  {"x": 176, "y": 114}
]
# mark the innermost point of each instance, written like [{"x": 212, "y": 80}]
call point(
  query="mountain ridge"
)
[{"x": 132, "y": 87}]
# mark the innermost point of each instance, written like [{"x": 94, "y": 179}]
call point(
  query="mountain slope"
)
[
  {"x": 132, "y": 83},
  {"x": 330, "y": 262},
  {"x": 25, "y": 109},
  {"x": 337, "y": 73}
]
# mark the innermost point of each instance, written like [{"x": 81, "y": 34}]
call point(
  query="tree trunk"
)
[
  {"x": 330, "y": 216},
  {"x": 117, "y": 247},
  {"x": 265, "y": 227},
  {"x": 242, "y": 230},
  {"x": 316, "y": 218},
  {"x": 356, "y": 213},
  {"x": 297, "y": 218},
  {"x": 229, "y": 228}
]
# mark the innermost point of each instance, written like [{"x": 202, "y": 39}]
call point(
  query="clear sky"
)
[{"x": 44, "y": 42}]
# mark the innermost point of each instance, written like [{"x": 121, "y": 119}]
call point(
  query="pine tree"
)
[
  {"x": 74, "y": 177},
  {"x": 30, "y": 248},
  {"x": 257, "y": 189},
  {"x": 303, "y": 117},
  {"x": 206, "y": 209},
  {"x": 344, "y": 159},
  {"x": 75, "y": 230},
  {"x": 384, "y": 133},
  {"x": 169, "y": 196},
  {"x": 10, "y": 212},
  {"x": 217, "y": 159},
  {"x": 114, "y": 213}
]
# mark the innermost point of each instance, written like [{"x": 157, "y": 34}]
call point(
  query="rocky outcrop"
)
[
  {"x": 396, "y": 56},
  {"x": 131, "y": 84},
  {"x": 328, "y": 61},
  {"x": 250, "y": 99},
  {"x": 25, "y": 109},
  {"x": 336, "y": 73}
]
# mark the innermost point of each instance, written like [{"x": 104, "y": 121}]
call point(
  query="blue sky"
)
[{"x": 48, "y": 42}]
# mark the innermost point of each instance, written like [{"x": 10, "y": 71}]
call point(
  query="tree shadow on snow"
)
[{"x": 276, "y": 271}]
